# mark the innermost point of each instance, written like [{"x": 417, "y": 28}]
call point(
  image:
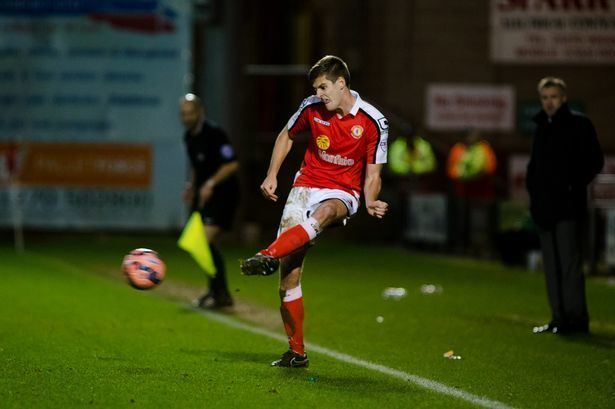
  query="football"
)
[{"x": 143, "y": 268}]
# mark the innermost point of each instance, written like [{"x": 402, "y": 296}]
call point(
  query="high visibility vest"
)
[
  {"x": 467, "y": 163},
  {"x": 399, "y": 157},
  {"x": 420, "y": 160},
  {"x": 453, "y": 163},
  {"x": 490, "y": 162},
  {"x": 422, "y": 157}
]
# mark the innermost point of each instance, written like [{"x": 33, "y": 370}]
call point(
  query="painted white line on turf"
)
[{"x": 415, "y": 379}]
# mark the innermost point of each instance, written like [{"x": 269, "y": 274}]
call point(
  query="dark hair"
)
[
  {"x": 548, "y": 82},
  {"x": 331, "y": 67}
]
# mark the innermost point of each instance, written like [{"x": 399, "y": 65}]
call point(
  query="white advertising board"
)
[
  {"x": 463, "y": 106},
  {"x": 553, "y": 32},
  {"x": 89, "y": 125}
]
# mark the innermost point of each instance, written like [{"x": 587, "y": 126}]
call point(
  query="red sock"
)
[
  {"x": 292, "y": 316},
  {"x": 291, "y": 240}
]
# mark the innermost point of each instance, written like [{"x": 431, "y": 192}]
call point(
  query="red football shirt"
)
[{"x": 339, "y": 148}]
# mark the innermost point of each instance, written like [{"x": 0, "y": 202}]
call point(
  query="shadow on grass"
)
[
  {"x": 319, "y": 377},
  {"x": 231, "y": 356},
  {"x": 600, "y": 337},
  {"x": 187, "y": 309},
  {"x": 594, "y": 339},
  {"x": 346, "y": 383}
]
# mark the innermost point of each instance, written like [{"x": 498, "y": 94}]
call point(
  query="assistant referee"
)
[{"x": 212, "y": 189}]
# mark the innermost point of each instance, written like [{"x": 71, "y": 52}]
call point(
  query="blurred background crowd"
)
[{"x": 90, "y": 135}]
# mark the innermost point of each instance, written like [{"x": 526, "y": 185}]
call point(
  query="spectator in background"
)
[
  {"x": 414, "y": 156},
  {"x": 472, "y": 159},
  {"x": 213, "y": 189},
  {"x": 471, "y": 166},
  {"x": 412, "y": 163},
  {"x": 565, "y": 158}
]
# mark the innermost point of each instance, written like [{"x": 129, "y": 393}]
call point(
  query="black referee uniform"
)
[{"x": 208, "y": 151}]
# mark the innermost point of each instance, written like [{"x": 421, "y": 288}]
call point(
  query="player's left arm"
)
[{"x": 371, "y": 190}]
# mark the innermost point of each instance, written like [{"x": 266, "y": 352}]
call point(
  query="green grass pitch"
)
[{"x": 74, "y": 334}]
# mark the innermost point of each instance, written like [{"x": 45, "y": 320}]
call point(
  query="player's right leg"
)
[
  {"x": 259, "y": 265},
  {"x": 294, "y": 213},
  {"x": 266, "y": 261},
  {"x": 330, "y": 211}
]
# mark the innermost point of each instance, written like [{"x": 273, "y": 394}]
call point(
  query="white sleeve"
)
[
  {"x": 312, "y": 99},
  {"x": 383, "y": 140}
]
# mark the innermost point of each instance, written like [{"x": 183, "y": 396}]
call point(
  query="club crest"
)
[{"x": 356, "y": 131}]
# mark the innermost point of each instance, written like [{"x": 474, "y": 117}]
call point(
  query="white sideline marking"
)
[{"x": 415, "y": 379}]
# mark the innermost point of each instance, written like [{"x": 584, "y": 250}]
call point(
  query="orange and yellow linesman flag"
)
[{"x": 194, "y": 241}]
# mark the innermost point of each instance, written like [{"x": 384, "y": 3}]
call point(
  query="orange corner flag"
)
[{"x": 194, "y": 241}]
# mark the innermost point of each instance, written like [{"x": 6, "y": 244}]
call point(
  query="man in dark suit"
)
[{"x": 565, "y": 157}]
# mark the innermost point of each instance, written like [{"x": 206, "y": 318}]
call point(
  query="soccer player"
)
[
  {"x": 213, "y": 189},
  {"x": 345, "y": 155}
]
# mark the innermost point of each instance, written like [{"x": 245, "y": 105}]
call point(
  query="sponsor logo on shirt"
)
[
  {"x": 335, "y": 159},
  {"x": 320, "y": 121},
  {"x": 323, "y": 142},
  {"x": 356, "y": 131}
]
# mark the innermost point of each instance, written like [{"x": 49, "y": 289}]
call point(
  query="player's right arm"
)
[{"x": 283, "y": 145}]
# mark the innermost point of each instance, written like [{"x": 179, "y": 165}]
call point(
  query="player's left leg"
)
[{"x": 291, "y": 310}]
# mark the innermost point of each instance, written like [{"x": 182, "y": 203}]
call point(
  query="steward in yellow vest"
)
[{"x": 416, "y": 158}]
